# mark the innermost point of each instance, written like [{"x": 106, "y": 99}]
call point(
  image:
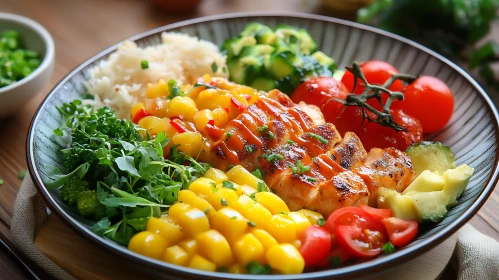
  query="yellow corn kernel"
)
[
  {"x": 259, "y": 215},
  {"x": 154, "y": 124},
  {"x": 243, "y": 204},
  {"x": 301, "y": 222},
  {"x": 201, "y": 263},
  {"x": 213, "y": 98},
  {"x": 286, "y": 259},
  {"x": 148, "y": 244},
  {"x": 245, "y": 189},
  {"x": 166, "y": 228},
  {"x": 213, "y": 246},
  {"x": 265, "y": 238},
  {"x": 241, "y": 176},
  {"x": 216, "y": 175},
  {"x": 189, "y": 197},
  {"x": 248, "y": 249},
  {"x": 272, "y": 202},
  {"x": 175, "y": 255},
  {"x": 220, "y": 116},
  {"x": 136, "y": 108},
  {"x": 221, "y": 197},
  {"x": 236, "y": 269},
  {"x": 157, "y": 107},
  {"x": 282, "y": 228},
  {"x": 202, "y": 187},
  {"x": 312, "y": 216},
  {"x": 230, "y": 223},
  {"x": 190, "y": 246},
  {"x": 201, "y": 118},
  {"x": 182, "y": 106},
  {"x": 190, "y": 142},
  {"x": 192, "y": 220},
  {"x": 160, "y": 89}
]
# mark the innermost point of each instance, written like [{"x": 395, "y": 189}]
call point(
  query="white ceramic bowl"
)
[{"x": 14, "y": 96}]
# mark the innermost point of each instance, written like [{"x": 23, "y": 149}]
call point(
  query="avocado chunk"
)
[
  {"x": 427, "y": 181},
  {"x": 430, "y": 206},
  {"x": 402, "y": 205},
  {"x": 456, "y": 181},
  {"x": 432, "y": 156}
]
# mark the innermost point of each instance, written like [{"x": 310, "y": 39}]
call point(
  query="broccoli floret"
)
[
  {"x": 72, "y": 189},
  {"x": 89, "y": 206}
]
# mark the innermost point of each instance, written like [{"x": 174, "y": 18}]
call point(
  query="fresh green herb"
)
[
  {"x": 206, "y": 86},
  {"x": 335, "y": 262},
  {"x": 223, "y": 201},
  {"x": 249, "y": 149},
  {"x": 224, "y": 69},
  {"x": 214, "y": 67},
  {"x": 144, "y": 64},
  {"x": 318, "y": 137},
  {"x": 58, "y": 132},
  {"x": 311, "y": 179},
  {"x": 258, "y": 174},
  {"x": 290, "y": 142},
  {"x": 231, "y": 166},
  {"x": 293, "y": 169},
  {"x": 16, "y": 62},
  {"x": 112, "y": 168},
  {"x": 228, "y": 185},
  {"x": 233, "y": 217},
  {"x": 263, "y": 128},
  {"x": 321, "y": 222},
  {"x": 223, "y": 269},
  {"x": 388, "y": 248},
  {"x": 1, "y": 182},
  {"x": 282, "y": 213},
  {"x": 251, "y": 224},
  {"x": 301, "y": 168},
  {"x": 207, "y": 210},
  {"x": 174, "y": 89},
  {"x": 257, "y": 269},
  {"x": 253, "y": 196},
  {"x": 228, "y": 134},
  {"x": 261, "y": 187},
  {"x": 271, "y": 135},
  {"x": 273, "y": 157},
  {"x": 213, "y": 184},
  {"x": 22, "y": 174}
]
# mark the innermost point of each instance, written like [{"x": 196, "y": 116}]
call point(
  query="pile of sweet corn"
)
[
  {"x": 195, "y": 117},
  {"x": 224, "y": 222}
]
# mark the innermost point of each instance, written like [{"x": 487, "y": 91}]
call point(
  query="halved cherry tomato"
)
[
  {"x": 429, "y": 100},
  {"x": 141, "y": 113},
  {"x": 378, "y": 214},
  {"x": 320, "y": 92},
  {"x": 360, "y": 242},
  {"x": 315, "y": 245},
  {"x": 376, "y": 72},
  {"x": 350, "y": 216},
  {"x": 400, "y": 232}
]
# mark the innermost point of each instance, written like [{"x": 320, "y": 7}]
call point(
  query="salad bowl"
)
[{"x": 471, "y": 133}]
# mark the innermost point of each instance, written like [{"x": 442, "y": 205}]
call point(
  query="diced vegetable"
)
[
  {"x": 456, "y": 181},
  {"x": 432, "y": 156}
]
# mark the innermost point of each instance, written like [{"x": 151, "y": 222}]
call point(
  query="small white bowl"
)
[{"x": 36, "y": 38}]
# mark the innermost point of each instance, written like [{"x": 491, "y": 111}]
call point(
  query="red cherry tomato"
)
[
  {"x": 315, "y": 245},
  {"x": 360, "y": 242},
  {"x": 320, "y": 91},
  {"x": 377, "y": 73},
  {"x": 400, "y": 232},
  {"x": 429, "y": 100},
  {"x": 376, "y": 135},
  {"x": 351, "y": 216},
  {"x": 378, "y": 214}
]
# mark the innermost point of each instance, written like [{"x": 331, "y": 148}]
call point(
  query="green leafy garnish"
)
[
  {"x": 258, "y": 174},
  {"x": 228, "y": 134},
  {"x": 271, "y": 135},
  {"x": 273, "y": 157},
  {"x": 249, "y": 149},
  {"x": 214, "y": 67},
  {"x": 321, "y": 222},
  {"x": 263, "y": 128},
  {"x": 223, "y": 201},
  {"x": 262, "y": 187},
  {"x": 174, "y": 89},
  {"x": 144, "y": 64},
  {"x": 318, "y": 137},
  {"x": 251, "y": 224},
  {"x": 388, "y": 248},
  {"x": 228, "y": 185},
  {"x": 258, "y": 269}
]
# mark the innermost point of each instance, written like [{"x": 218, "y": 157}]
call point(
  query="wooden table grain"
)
[{"x": 82, "y": 28}]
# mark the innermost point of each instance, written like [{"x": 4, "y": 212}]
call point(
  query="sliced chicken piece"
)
[{"x": 350, "y": 153}]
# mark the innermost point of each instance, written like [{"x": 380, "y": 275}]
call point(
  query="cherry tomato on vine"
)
[
  {"x": 429, "y": 100},
  {"x": 400, "y": 232},
  {"x": 315, "y": 245},
  {"x": 320, "y": 91},
  {"x": 376, "y": 72}
]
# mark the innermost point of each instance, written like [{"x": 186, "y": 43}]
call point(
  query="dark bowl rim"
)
[{"x": 374, "y": 265}]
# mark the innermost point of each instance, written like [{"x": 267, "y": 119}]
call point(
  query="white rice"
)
[{"x": 120, "y": 81}]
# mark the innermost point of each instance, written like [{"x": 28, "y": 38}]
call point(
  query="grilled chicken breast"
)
[{"x": 304, "y": 159}]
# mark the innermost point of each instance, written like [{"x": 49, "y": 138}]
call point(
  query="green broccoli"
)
[
  {"x": 72, "y": 189},
  {"x": 89, "y": 206}
]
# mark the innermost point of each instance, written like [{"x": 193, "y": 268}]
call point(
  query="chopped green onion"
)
[
  {"x": 290, "y": 142},
  {"x": 214, "y": 67},
  {"x": 144, "y": 64},
  {"x": 318, "y": 137},
  {"x": 302, "y": 168},
  {"x": 251, "y": 224},
  {"x": 206, "y": 210},
  {"x": 261, "y": 187},
  {"x": 273, "y": 157},
  {"x": 228, "y": 134},
  {"x": 282, "y": 213},
  {"x": 233, "y": 217},
  {"x": 253, "y": 196},
  {"x": 388, "y": 248},
  {"x": 257, "y": 269},
  {"x": 258, "y": 174},
  {"x": 310, "y": 179},
  {"x": 293, "y": 169},
  {"x": 228, "y": 185},
  {"x": 223, "y": 201},
  {"x": 321, "y": 222},
  {"x": 263, "y": 128},
  {"x": 271, "y": 135},
  {"x": 249, "y": 149},
  {"x": 230, "y": 166},
  {"x": 213, "y": 185},
  {"x": 58, "y": 132}
]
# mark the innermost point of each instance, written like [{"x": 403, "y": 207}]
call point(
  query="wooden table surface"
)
[{"x": 82, "y": 28}]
